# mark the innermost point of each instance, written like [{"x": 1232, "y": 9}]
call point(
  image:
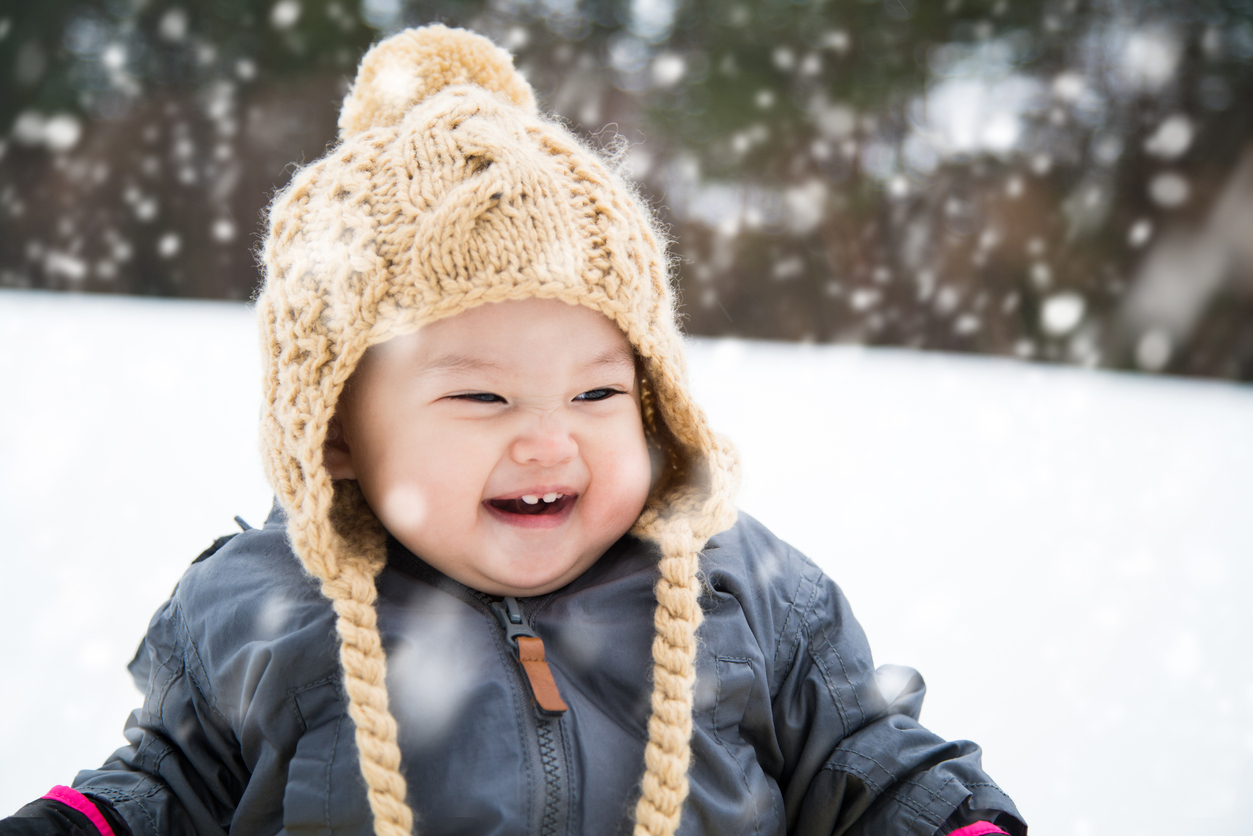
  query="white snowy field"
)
[{"x": 1064, "y": 554}]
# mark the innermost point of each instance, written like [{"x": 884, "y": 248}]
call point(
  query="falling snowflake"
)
[
  {"x": 1169, "y": 190},
  {"x": 1062, "y": 313},
  {"x": 169, "y": 244},
  {"x": 285, "y": 14},
  {"x": 1171, "y": 139},
  {"x": 1140, "y": 232}
]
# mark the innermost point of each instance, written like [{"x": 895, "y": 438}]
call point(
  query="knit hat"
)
[{"x": 448, "y": 190}]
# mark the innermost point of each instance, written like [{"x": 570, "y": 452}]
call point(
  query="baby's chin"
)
[{"x": 524, "y": 576}]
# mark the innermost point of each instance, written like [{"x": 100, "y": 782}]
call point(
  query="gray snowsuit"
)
[{"x": 244, "y": 725}]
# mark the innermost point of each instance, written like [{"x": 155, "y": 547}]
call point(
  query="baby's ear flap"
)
[{"x": 336, "y": 457}]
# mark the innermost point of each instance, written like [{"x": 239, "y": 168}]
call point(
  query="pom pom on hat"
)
[{"x": 401, "y": 71}]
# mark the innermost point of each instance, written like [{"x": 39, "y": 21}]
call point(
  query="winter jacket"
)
[{"x": 244, "y": 725}]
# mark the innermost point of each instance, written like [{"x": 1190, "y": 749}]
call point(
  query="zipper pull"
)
[{"x": 530, "y": 655}]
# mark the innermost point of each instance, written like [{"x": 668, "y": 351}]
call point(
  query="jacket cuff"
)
[
  {"x": 979, "y": 828},
  {"x": 75, "y": 800}
]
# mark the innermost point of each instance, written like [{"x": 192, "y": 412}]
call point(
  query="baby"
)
[{"x": 504, "y": 589}]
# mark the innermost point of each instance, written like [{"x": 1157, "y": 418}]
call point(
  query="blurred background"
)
[
  {"x": 1060, "y": 180},
  {"x": 970, "y": 284}
]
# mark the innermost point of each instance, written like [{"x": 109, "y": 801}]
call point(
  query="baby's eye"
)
[
  {"x": 479, "y": 397},
  {"x": 598, "y": 394}
]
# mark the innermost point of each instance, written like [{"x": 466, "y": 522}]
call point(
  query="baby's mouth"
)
[{"x": 531, "y": 505}]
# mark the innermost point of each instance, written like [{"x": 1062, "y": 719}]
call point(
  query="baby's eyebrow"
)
[
  {"x": 459, "y": 363},
  {"x": 614, "y": 357},
  {"x": 617, "y": 356}
]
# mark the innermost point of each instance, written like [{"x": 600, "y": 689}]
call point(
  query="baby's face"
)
[{"x": 503, "y": 445}]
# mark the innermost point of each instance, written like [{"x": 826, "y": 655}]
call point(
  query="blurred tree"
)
[{"x": 1067, "y": 180}]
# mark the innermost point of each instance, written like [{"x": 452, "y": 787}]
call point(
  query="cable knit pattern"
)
[{"x": 449, "y": 190}]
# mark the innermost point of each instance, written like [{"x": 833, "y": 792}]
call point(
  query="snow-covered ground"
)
[{"x": 1064, "y": 554}]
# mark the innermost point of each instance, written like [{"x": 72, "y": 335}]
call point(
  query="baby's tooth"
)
[
  {"x": 530, "y": 499},
  {"x": 551, "y": 497}
]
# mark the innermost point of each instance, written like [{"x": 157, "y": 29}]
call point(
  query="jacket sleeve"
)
[
  {"x": 65, "y": 812},
  {"x": 855, "y": 758},
  {"x": 182, "y": 772}
]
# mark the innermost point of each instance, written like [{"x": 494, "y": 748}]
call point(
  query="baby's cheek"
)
[{"x": 630, "y": 476}]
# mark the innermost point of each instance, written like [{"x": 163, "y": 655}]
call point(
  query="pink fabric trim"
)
[
  {"x": 979, "y": 828},
  {"x": 81, "y": 803}
]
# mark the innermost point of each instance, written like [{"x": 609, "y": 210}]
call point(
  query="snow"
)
[
  {"x": 1140, "y": 232},
  {"x": 668, "y": 69},
  {"x": 173, "y": 25},
  {"x": 1061, "y": 553},
  {"x": 1148, "y": 57},
  {"x": 59, "y": 132},
  {"x": 1169, "y": 189},
  {"x": 284, "y": 14},
  {"x": 1062, "y": 312},
  {"x": 1171, "y": 139}
]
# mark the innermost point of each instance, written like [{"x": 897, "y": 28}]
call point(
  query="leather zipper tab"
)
[
  {"x": 543, "y": 686},
  {"x": 530, "y": 655}
]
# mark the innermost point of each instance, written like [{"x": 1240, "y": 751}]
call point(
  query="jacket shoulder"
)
[
  {"x": 786, "y": 601},
  {"x": 249, "y": 606},
  {"x": 748, "y": 554},
  {"x": 254, "y": 572}
]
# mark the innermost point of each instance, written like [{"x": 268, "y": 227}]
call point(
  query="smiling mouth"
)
[{"x": 524, "y": 506}]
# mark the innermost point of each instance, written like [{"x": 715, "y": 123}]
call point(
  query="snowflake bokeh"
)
[{"x": 1060, "y": 180}]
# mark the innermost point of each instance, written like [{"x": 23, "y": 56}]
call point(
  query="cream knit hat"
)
[{"x": 448, "y": 190}]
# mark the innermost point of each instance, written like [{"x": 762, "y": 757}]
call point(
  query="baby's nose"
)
[{"x": 546, "y": 441}]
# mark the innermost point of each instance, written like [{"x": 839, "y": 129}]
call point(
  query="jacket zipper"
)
[
  {"x": 530, "y": 651},
  {"x": 543, "y": 722},
  {"x": 551, "y": 813}
]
